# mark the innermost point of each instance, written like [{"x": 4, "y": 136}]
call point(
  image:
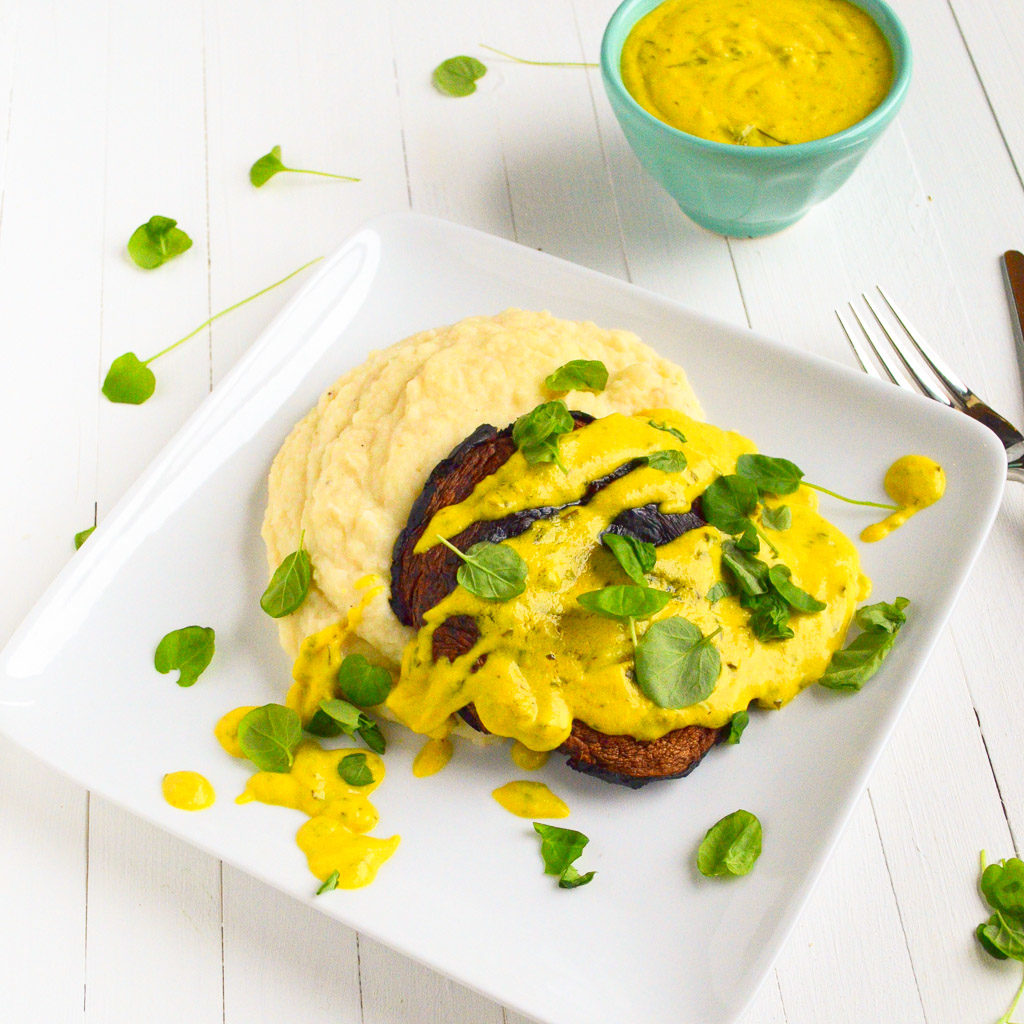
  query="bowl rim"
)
[{"x": 626, "y": 16}]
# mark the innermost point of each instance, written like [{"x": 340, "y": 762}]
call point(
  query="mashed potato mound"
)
[{"x": 350, "y": 470}]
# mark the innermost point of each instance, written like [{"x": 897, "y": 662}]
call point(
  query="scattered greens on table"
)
[
  {"x": 270, "y": 164},
  {"x": 158, "y": 240},
  {"x": 130, "y": 381},
  {"x": 560, "y": 848},
  {"x": 189, "y": 650},
  {"x": 731, "y": 846},
  {"x": 83, "y": 535},
  {"x": 289, "y": 584},
  {"x": 1002, "y": 935},
  {"x": 494, "y": 572}
]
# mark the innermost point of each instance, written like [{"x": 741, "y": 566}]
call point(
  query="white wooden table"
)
[{"x": 113, "y": 111}]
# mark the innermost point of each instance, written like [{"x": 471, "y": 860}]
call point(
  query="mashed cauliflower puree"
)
[{"x": 347, "y": 475}]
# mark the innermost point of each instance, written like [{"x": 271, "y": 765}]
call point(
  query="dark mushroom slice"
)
[{"x": 420, "y": 581}]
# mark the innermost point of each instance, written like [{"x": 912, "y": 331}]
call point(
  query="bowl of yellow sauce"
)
[{"x": 749, "y": 112}]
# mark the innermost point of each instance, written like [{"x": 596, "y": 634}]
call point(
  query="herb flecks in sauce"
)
[{"x": 752, "y": 73}]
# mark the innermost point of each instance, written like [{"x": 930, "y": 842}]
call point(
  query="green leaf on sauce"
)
[
  {"x": 269, "y": 736},
  {"x": 728, "y": 502},
  {"x": 778, "y": 518},
  {"x": 289, "y": 585},
  {"x": 157, "y": 241},
  {"x": 536, "y": 433},
  {"x": 457, "y": 76},
  {"x": 779, "y": 578},
  {"x": 718, "y": 590},
  {"x": 677, "y": 434},
  {"x": 625, "y": 601},
  {"x": 494, "y": 572},
  {"x": 856, "y": 663},
  {"x": 355, "y": 770},
  {"x": 578, "y": 375},
  {"x": 676, "y": 665},
  {"x": 668, "y": 461},
  {"x": 347, "y": 718},
  {"x": 560, "y": 848},
  {"x": 768, "y": 474},
  {"x": 362, "y": 683},
  {"x": 731, "y": 846},
  {"x": 636, "y": 557},
  {"x": 189, "y": 650}
]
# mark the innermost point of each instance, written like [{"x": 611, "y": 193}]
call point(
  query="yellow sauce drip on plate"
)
[
  {"x": 914, "y": 482},
  {"x": 757, "y": 72},
  {"x": 432, "y": 757},
  {"x": 527, "y": 759},
  {"x": 530, "y": 800},
  {"x": 188, "y": 791}
]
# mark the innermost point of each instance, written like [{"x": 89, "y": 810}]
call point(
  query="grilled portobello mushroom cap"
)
[{"x": 420, "y": 581}]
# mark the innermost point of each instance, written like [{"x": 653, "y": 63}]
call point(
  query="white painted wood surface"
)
[{"x": 112, "y": 111}]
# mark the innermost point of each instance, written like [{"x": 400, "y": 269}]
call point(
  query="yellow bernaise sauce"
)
[
  {"x": 549, "y": 661},
  {"x": 530, "y": 800},
  {"x": 527, "y": 759},
  {"x": 188, "y": 791},
  {"x": 757, "y": 72},
  {"x": 432, "y": 757},
  {"x": 914, "y": 482},
  {"x": 333, "y": 839}
]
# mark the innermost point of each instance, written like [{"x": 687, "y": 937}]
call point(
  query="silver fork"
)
[{"x": 924, "y": 366}]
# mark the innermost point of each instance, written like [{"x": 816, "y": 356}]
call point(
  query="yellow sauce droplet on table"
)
[
  {"x": 914, "y": 482},
  {"x": 226, "y": 730},
  {"x": 340, "y": 813},
  {"x": 527, "y": 759},
  {"x": 433, "y": 756},
  {"x": 188, "y": 791},
  {"x": 531, "y": 800}
]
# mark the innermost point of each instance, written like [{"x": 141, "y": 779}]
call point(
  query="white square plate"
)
[{"x": 649, "y": 939}]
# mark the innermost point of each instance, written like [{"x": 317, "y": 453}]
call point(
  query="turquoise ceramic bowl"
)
[{"x": 747, "y": 191}]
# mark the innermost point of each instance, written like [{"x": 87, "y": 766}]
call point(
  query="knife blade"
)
[{"x": 1013, "y": 269}]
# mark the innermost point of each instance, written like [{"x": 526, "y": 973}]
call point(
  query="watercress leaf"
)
[
  {"x": 129, "y": 381},
  {"x": 189, "y": 649},
  {"x": 289, "y": 585},
  {"x": 778, "y": 518},
  {"x": 636, "y": 557},
  {"x": 718, "y": 590},
  {"x": 1002, "y": 885},
  {"x": 346, "y": 716},
  {"x": 83, "y": 535},
  {"x": 670, "y": 460},
  {"x": 882, "y": 617},
  {"x": 737, "y": 724},
  {"x": 156, "y": 242},
  {"x": 1002, "y": 936},
  {"x": 748, "y": 540},
  {"x": 728, "y": 502},
  {"x": 362, "y": 683},
  {"x": 578, "y": 375},
  {"x": 570, "y": 878},
  {"x": 731, "y": 846},
  {"x": 355, "y": 770},
  {"x": 749, "y": 573},
  {"x": 678, "y": 434},
  {"x": 769, "y": 616},
  {"x": 779, "y": 578},
  {"x": 494, "y": 572},
  {"x": 625, "y": 601},
  {"x": 457, "y": 76},
  {"x": 853, "y": 666},
  {"x": 536, "y": 433},
  {"x": 330, "y": 883},
  {"x": 775, "y": 476},
  {"x": 560, "y": 847},
  {"x": 266, "y": 167},
  {"x": 371, "y": 734},
  {"x": 269, "y": 736},
  {"x": 321, "y": 724},
  {"x": 676, "y": 665}
]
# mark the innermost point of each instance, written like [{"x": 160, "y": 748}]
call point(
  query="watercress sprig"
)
[
  {"x": 541, "y": 63},
  {"x": 536, "y": 433},
  {"x": 335, "y": 716},
  {"x": 189, "y": 650},
  {"x": 158, "y": 240},
  {"x": 130, "y": 381},
  {"x": 560, "y": 848},
  {"x": 676, "y": 665},
  {"x": 1002, "y": 935},
  {"x": 269, "y": 736},
  {"x": 289, "y": 584},
  {"x": 731, "y": 846},
  {"x": 636, "y": 557},
  {"x": 578, "y": 375},
  {"x": 270, "y": 164},
  {"x": 856, "y": 663},
  {"x": 780, "y": 476},
  {"x": 494, "y": 572}
]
